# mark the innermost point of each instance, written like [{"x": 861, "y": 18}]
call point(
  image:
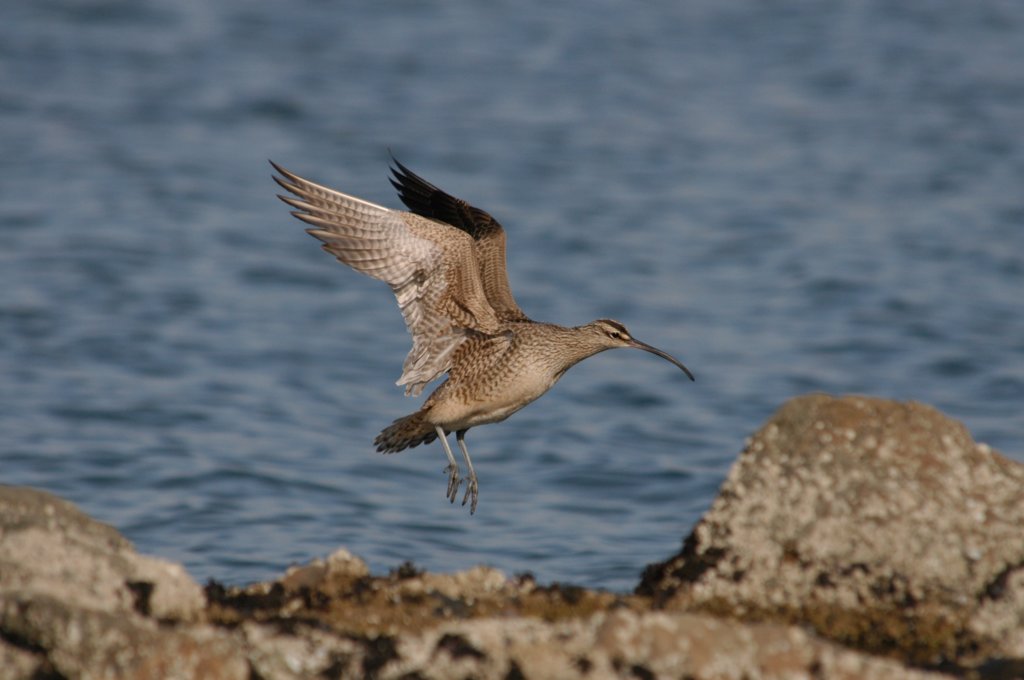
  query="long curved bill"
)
[{"x": 664, "y": 355}]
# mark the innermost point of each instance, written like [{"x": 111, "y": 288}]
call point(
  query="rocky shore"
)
[{"x": 854, "y": 538}]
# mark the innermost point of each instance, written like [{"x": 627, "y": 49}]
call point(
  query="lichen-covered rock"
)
[
  {"x": 621, "y": 644},
  {"x": 881, "y": 524},
  {"x": 76, "y": 601},
  {"x": 17, "y": 663},
  {"x": 85, "y": 643},
  {"x": 481, "y": 624},
  {"x": 49, "y": 546}
]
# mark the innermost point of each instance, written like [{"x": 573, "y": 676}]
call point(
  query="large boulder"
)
[
  {"x": 881, "y": 524},
  {"x": 52, "y": 548},
  {"x": 77, "y": 601}
]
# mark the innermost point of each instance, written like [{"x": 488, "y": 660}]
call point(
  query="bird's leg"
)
[
  {"x": 472, "y": 490},
  {"x": 453, "y": 467}
]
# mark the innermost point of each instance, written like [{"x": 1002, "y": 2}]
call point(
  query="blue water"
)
[{"x": 788, "y": 196}]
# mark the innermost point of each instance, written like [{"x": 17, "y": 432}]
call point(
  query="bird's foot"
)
[
  {"x": 454, "y": 479},
  {"x": 472, "y": 492}
]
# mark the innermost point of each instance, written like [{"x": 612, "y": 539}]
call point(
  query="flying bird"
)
[{"x": 445, "y": 262}]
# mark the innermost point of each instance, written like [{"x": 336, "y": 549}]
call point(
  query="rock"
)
[
  {"x": 699, "y": 646},
  {"x": 76, "y": 601},
  {"x": 341, "y": 564},
  {"x": 51, "y": 547},
  {"x": 481, "y": 624},
  {"x": 19, "y": 663},
  {"x": 616, "y": 644},
  {"x": 82, "y": 642},
  {"x": 881, "y": 524},
  {"x": 627, "y": 644}
]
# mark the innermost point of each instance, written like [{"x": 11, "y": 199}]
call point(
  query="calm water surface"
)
[{"x": 788, "y": 196}]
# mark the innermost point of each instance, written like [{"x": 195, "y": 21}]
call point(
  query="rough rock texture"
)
[
  {"x": 877, "y": 525},
  {"x": 51, "y": 547},
  {"x": 480, "y": 624},
  {"x": 881, "y": 524},
  {"x": 76, "y": 601}
]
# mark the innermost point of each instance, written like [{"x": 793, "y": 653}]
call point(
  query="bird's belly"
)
[{"x": 493, "y": 407}]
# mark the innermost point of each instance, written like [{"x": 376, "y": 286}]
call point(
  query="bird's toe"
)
[
  {"x": 472, "y": 493},
  {"x": 454, "y": 480}
]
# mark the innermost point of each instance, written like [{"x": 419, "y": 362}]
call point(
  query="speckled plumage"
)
[{"x": 445, "y": 262}]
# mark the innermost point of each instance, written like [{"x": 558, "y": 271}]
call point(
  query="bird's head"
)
[{"x": 612, "y": 334}]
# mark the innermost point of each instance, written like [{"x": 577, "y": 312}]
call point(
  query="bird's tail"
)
[{"x": 404, "y": 433}]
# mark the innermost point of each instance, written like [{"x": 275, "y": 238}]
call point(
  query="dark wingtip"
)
[
  {"x": 391, "y": 154},
  {"x": 404, "y": 176},
  {"x": 396, "y": 167}
]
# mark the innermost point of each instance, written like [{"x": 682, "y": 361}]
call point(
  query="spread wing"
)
[
  {"x": 431, "y": 267},
  {"x": 423, "y": 198}
]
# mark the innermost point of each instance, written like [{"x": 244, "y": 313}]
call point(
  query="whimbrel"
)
[{"x": 445, "y": 262}]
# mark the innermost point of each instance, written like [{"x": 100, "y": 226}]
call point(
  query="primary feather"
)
[{"x": 432, "y": 269}]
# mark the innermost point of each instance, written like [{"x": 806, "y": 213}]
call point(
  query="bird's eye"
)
[{"x": 616, "y": 335}]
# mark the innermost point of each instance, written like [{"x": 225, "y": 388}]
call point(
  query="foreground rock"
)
[
  {"x": 881, "y": 525},
  {"x": 76, "y": 600},
  {"x": 332, "y": 619}
]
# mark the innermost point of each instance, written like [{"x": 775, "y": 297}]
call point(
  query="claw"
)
[
  {"x": 472, "y": 491},
  {"x": 471, "y": 485},
  {"x": 454, "y": 480}
]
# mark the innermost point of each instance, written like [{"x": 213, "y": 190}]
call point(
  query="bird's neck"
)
[{"x": 567, "y": 348}]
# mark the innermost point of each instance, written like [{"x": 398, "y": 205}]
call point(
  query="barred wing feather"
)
[
  {"x": 431, "y": 267},
  {"x": 423, "y": 198}
]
